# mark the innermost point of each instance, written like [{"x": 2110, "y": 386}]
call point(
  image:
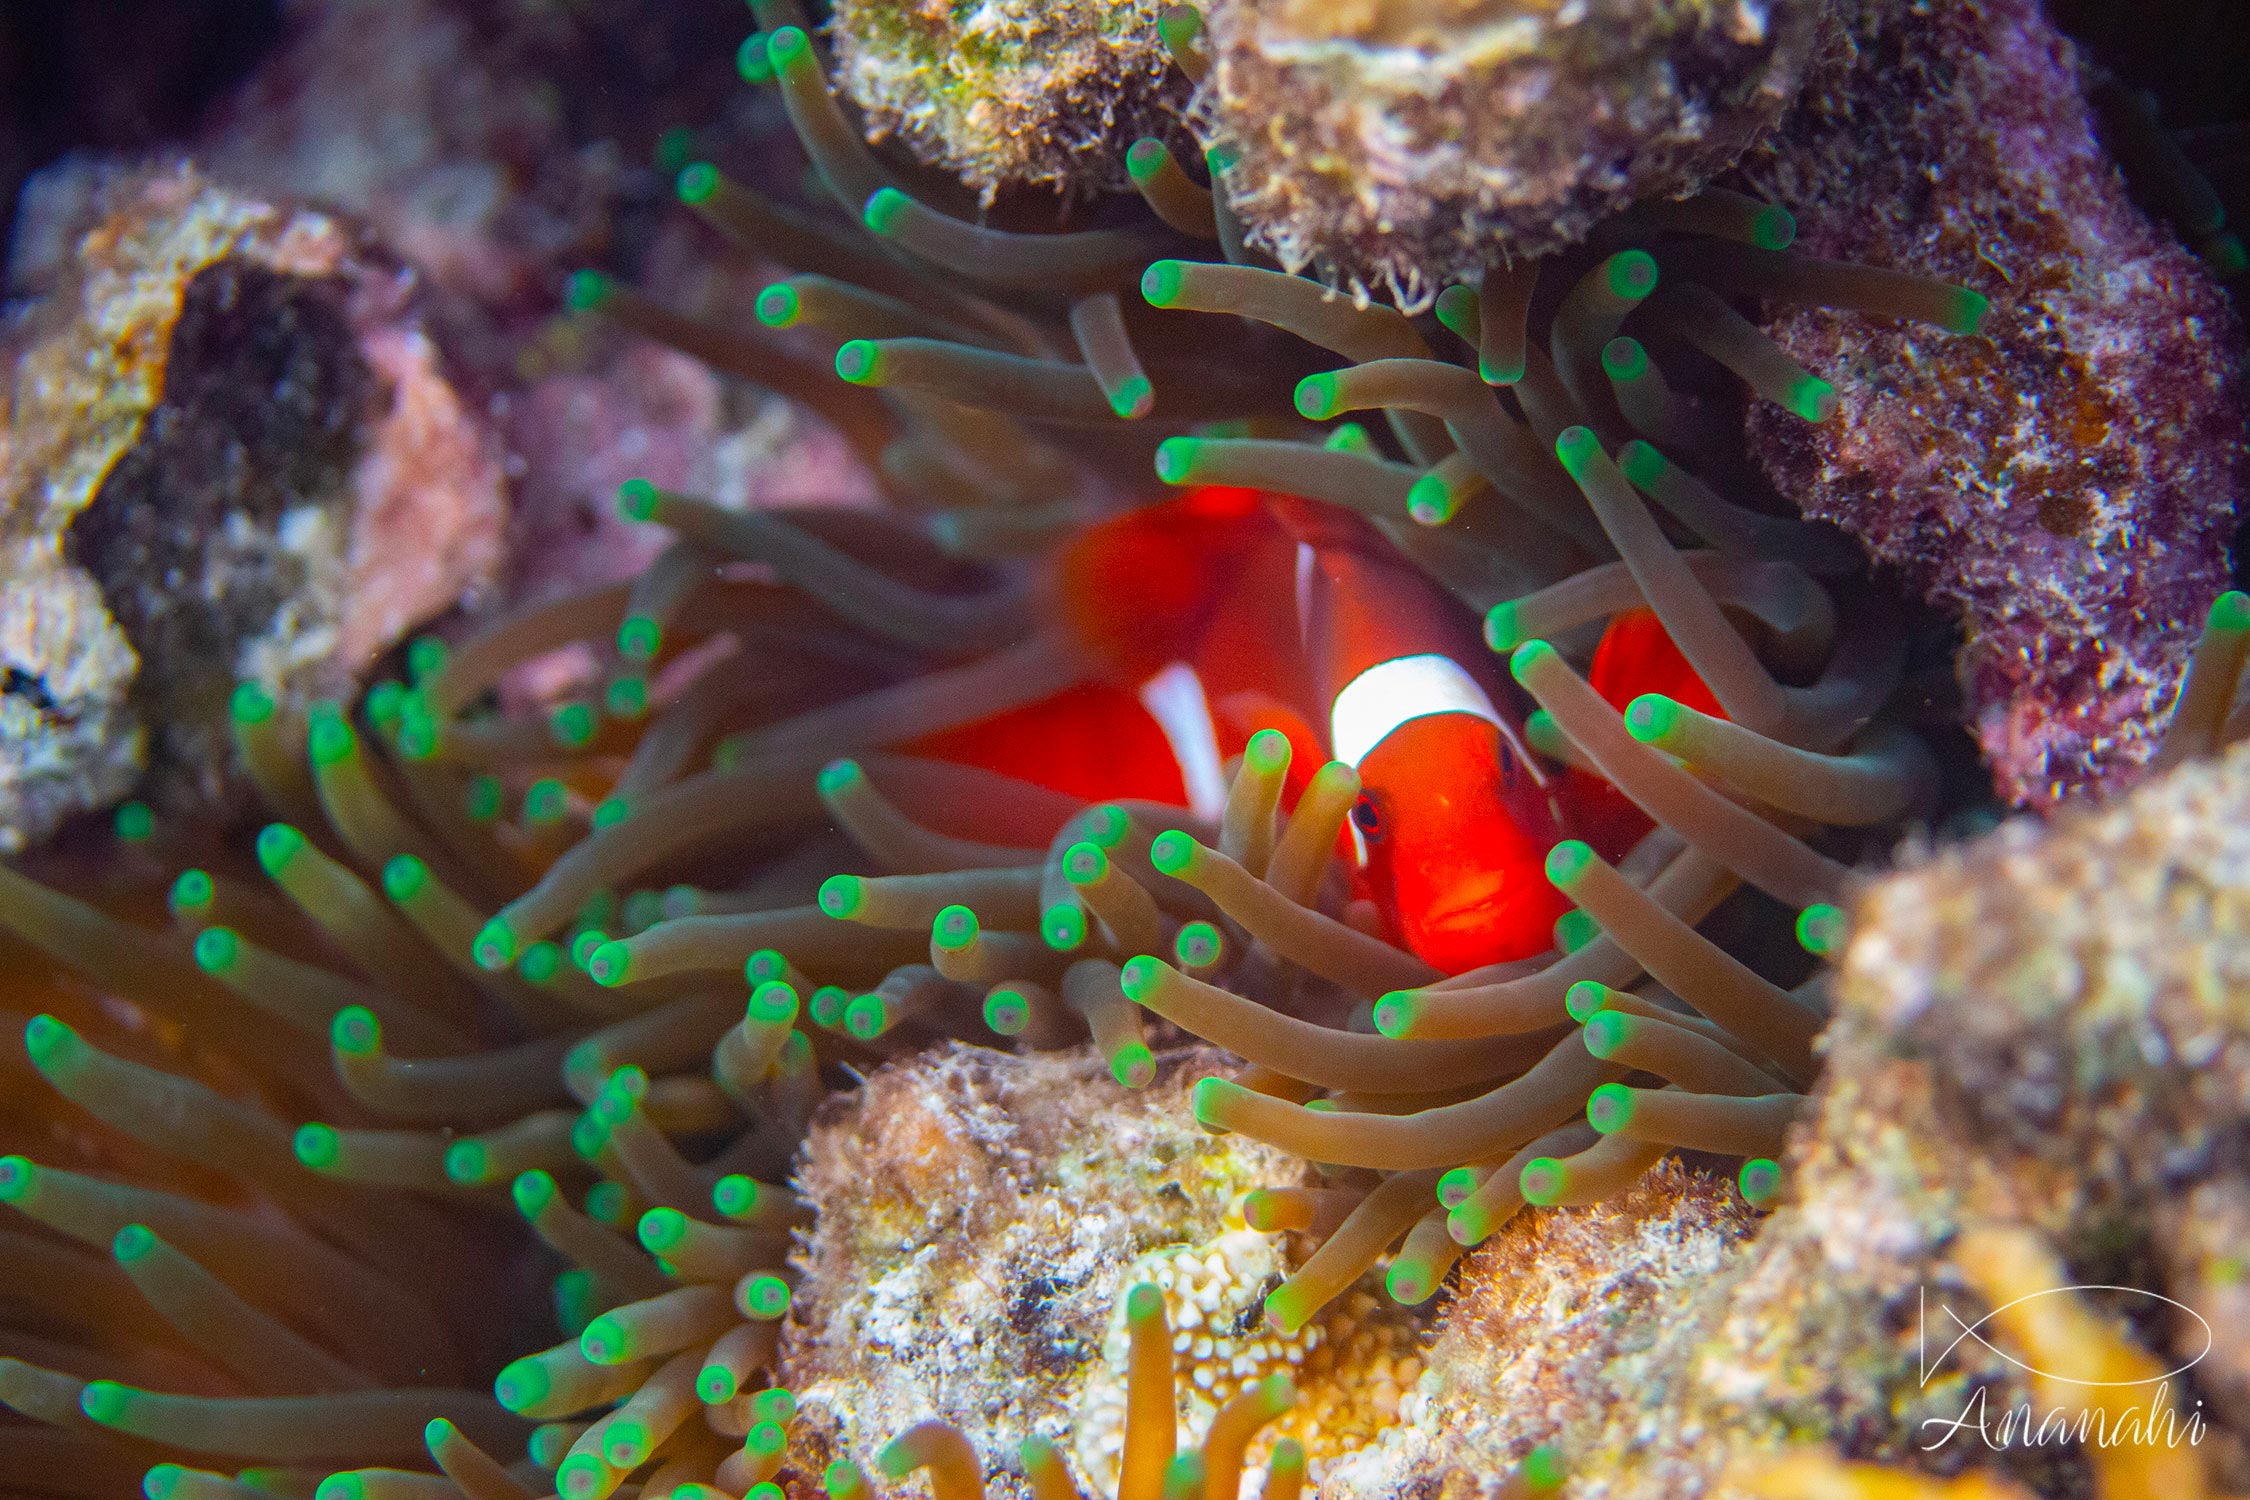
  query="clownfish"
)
[{"x": 1375, "y": 666}]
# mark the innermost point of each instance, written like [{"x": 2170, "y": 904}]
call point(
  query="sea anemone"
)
[{"x": 745, "y": 867}]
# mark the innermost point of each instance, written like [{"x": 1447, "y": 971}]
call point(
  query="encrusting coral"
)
[{"x": 608, "y": 957}]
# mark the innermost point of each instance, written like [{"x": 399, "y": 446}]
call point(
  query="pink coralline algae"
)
[{"x": 2066, "y": 483}]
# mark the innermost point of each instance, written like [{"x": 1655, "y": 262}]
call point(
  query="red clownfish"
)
[{"x": 1378, "y": 668}]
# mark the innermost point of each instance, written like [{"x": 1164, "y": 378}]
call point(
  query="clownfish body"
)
[
  {"x": 1454, "y": 815},
  {"x": 1375, "y": 666}
]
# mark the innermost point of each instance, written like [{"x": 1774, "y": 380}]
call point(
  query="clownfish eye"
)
[{"x": 1367, "y": 817}]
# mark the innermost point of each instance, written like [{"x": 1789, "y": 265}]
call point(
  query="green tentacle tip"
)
[
  {"x": 522, "y": 1384},
  {"x": 495, "y": 946},
  {"x": 662, "y": 1229},
  {"x": 1395, "y": 1013},
  {"x": 636, "y": 500},
  {"x": 828, "y": 1004},
  {"x": 860, "y": 361},
  {"x": 346, "y": 1486},
  {"x": 572, "y": 725},
  {"x": 582, "y": 947},
  {"x": 1063, "y": 927},
  {"x": 1624, "y": 358},
  {"x": 1574, "y": 930},
  {"x": 405, "y": 877},
  {"x": 1965, "y": 310},
  {"x": 1543, "y": 1181},
  {"x": 605, "y": 1203},
  {"x": 1162, "y": 282},
  {"x": 277, "y": 845},
  {"x": 1455, "y": 1186},
  {"x": 468, "y": 1163},
  {"x": 1458, "y": 308},
  {"x": 764, "y": 966},
  {"x": 1083, "y": 863},
  {"x": 1268, "y": 751},
  {"x": 17, "y": 1174},
  {"x": 250, "y": 705},
  {"x": 771, "y": 1003},
  {"x": 2229, "y": 612},
  {"x": 1430, "y": 500},
  {"x": 1610, "y": 1108},
  {"x": 883, "y": 210},
  {"x": 1759, "y": 1180},
  {"x": 1316, "y": 397},
  {"x": 1175, "y": 459},
  {"x": 329, "y": 737},
  {"x": 764, "y": 1297},
  {"x": 541, "y": 962},
  {"x": 837, "y": 776},
  {"x": 1179, "y": 26},
  {"x": 1007, "y": 1012},
  {"x": 1567, "y": 861},
  {"x": 317, "y": 1146},
  {"x": 104, "y": 1401},
  {"x": 1525, "y": 659},
  {"x": 1812, "y": 398},
  {"x": 626, "y": 697},
  {"x": 192, "y": 891},
  {"x": 1349, "y": 437},
  {"x": 609, "y": 964},
  {"x": 1632, "y": 273},
  {"x": 638, "y": 638},
  {"x": 1132, "y": 1064},
  {"x": 533, "y": 1192},
  {"x": 697, "y": 182},
  {"x": 786, "y": 45},
  {"x": 426, "y": 656},
  {"x": 162, "y": 1482},
  {"x": 216, "y": 949},
  {"x": 842, "y": 1479},
  {"x": 483, "y": 799},
  {"x": 1210, "y": 1098},
  {"x": 1133, "y": 397},
  {"x": 1774, "y": 228},
  {"x": 778, "y": 305},
  {"x": 1172, "y": 852},
  {"x": 545, "y": 801},
  {"x": 1576, "y": 448},
  {"x": 1585, "y": 1000},
  {"x": 1145, "y": 158},
  {"x": 131, "y": 1243},
  {"x": 1643, "y": 464},
  {"x": 1503, "y": 630},
  {"x": 842, "y": 895},
  {"x": 1543, "y": 1468},
  {"x": 1222, "y": 157},
  {"x": 1651, "y": 718},
  {"x": 864, "y": 1016},
  {"x": 1140, "y": 977},
  {"x": 1198, "y": 945},
  {"x": 954, "y": 929},
  {"x": 753, "y": 60},
  {"x": 586, "y": 291},
  {"x": 355, "y": 1032},
  {"x": 48, "y": 1041},
  {"x": 1606, "y": 1031},
  {"x": 611, "y": 811},
  {"x": 1822, "y": 929},
  {"x": 134, "y": 822},
  {"x": 1145, "y": 1300}
]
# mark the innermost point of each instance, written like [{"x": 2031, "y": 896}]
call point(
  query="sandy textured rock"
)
[
  {"x": 1404, "y": 144},
  {"x": 2066, "y": 484},
  {"x": 231, "y": 452},
  {"x": 1011, "y": 93}
]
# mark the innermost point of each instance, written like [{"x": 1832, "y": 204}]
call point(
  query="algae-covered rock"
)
[
  {"x": 1012, "y": 93},
  {"x": 230, "y": 452},
  {"x": 1409, "y": 143}
]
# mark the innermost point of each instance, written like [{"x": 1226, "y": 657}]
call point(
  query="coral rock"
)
[
  {"x": 1018, "y": 92},
  {"x": 231, "y": 453},
  {"x": 2065, "y": 484},
  {"x": 1407, "y": 144}
]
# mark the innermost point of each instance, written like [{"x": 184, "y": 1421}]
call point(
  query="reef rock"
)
[
  {"x": 1407, "y": 144},
  {"x": 2065, "y": 484},
  {"x": 230, "y": 451},
  {"x": 980, "y": 1217},
  {"x": 1044, "y": 93}
]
